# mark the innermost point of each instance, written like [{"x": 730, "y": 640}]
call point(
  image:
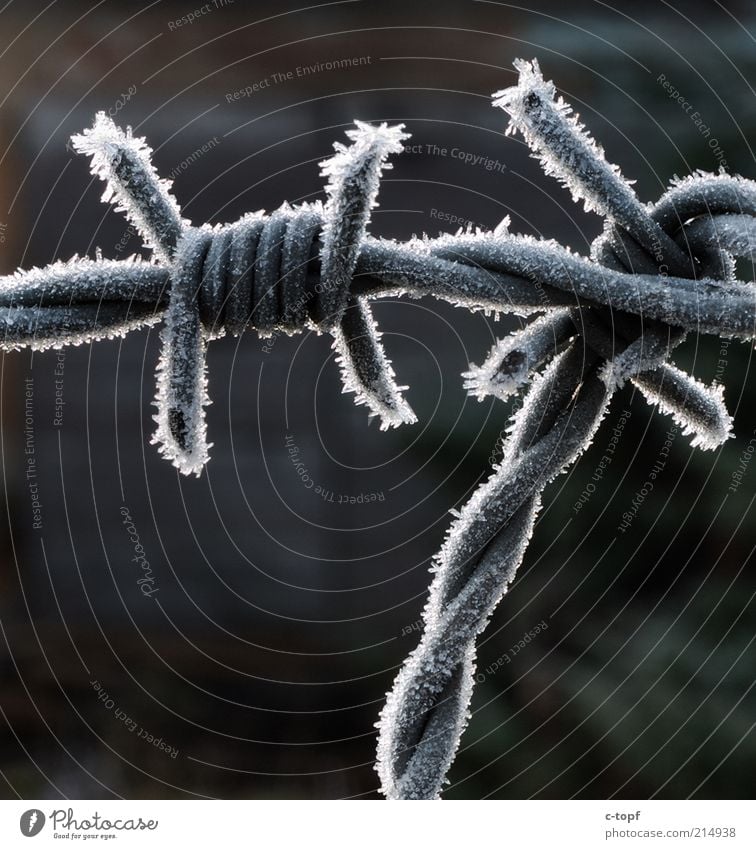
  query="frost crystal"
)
[
  {"x": 365, "y": 368},
  {"x": 562, "y": 144},
  {"x": 513, "y": 360},
  {"x": 181, "y": 373},
  {"x": 427, "y": 709},
  {"x": 569, "y": 390},
  {"x": 699, "y": 410},
  {"x": 705, "y": 195},
  {"x": 353, "y": 180},
  {"x": 657, "y": 273},
  {"x": 643, "y": 354},
  {"x": 707, "y": 306},
  {"x": 729, "y": 234},
  {"x": 123, "y": 162},
  {"x": 566, "y": 151}
]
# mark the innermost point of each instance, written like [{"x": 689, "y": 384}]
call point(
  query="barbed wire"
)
[{"x": 656, "y": 273}]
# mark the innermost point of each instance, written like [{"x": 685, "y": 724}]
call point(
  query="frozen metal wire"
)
[
  {"x": 427, "y": 709},
  {"x": 656, "y": 273}
]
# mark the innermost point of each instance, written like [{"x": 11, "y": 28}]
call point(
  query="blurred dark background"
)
[{"x": 282, "y": 612}]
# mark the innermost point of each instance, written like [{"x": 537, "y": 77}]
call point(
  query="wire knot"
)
[
  {"x": 260, "y": 273},
  {"x": 280, "y": 273}
]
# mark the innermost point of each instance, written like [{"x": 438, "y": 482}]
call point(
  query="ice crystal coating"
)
[
  {"x": 562, "y": 144},
  {"x": 181, "y": 372},
  {"x": 643, "y": 354},
  {"x": 657, "y": 273},
  {"x": 733, "y": 234},
  {"x": 706, "y": 306},
  {"x": 699, "y": 410},
  {"x": 629, "y": 273},
  {"x": 353, "y": 181},
  {"x": 703, "y": 194},
  {"x": 365, "y": 369},
  {"x": 427, "y": 708},
  {"x": 566, "y": 151},
  {"x": 123, "y": 162},
  {"x": 353, "y": 174},
  {"x": 251, "y": 273},
  {"x": 513, "y": 360}
]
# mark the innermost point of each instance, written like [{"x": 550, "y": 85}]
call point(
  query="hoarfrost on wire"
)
[{"x": 657, "y": 272}]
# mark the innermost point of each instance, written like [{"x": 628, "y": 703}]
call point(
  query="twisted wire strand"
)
[
  {"x": 426, "y": 710},
  {"x": 655, "y": 274}
]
